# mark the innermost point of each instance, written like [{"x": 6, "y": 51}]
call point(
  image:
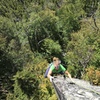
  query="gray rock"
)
[{"x": 79, "y": 90}]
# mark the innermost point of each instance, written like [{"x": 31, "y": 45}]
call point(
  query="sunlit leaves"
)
[{"x": 92, "y": 75}]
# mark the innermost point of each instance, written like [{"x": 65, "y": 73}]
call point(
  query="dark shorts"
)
[{"x": 46, "y": 73}]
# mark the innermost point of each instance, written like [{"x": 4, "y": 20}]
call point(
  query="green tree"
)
[{"x": 83, "y": 49}]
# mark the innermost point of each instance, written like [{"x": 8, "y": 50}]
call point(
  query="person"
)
[{"x": 56, "y": 68}]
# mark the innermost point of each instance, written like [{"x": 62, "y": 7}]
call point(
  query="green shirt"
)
[{"x": 60, "y": 69}]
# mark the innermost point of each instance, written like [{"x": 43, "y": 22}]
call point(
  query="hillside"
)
[{"x": 32, "y": 32}]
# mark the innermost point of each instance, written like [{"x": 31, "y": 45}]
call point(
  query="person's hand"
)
[
  {"x": 51, "y": 78},
  {"x": 71, "y": 80}
]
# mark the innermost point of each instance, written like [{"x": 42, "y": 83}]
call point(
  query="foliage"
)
[
  {"x": 82, "y": 50},
  {"x": 28, "y": 81},
  {"x": 90, "y": 6},
  {"x": 33, "y": 31},
  {"x": 92, "y": 75},
  {"x": 51, "y": 48}
]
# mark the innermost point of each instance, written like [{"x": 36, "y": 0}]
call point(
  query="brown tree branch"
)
[{"x": 94, "y": 20}]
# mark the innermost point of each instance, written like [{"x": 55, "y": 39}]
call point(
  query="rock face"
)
[{"x": 79, "y": 90}]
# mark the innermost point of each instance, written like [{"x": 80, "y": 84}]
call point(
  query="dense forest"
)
[{"x": 32, "y": 32}]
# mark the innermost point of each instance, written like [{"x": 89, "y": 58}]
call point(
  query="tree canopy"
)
[{"x": 32, "y": 32}]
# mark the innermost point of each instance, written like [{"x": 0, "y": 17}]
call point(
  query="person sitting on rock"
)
[{"x": 56, "y": 68}]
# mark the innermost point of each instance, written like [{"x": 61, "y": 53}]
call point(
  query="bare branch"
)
[{"x": 94, "y": 20}]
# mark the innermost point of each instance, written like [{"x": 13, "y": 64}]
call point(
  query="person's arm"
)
[
  {"x": 49, "y": 74},
  {"x": 66, "y": 72},
  {"x": 69, "y": 75}
]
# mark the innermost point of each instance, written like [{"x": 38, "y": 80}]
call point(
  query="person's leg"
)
[{"x": 46, "y": 73}]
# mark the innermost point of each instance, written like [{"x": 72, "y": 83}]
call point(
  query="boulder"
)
[{"x": 76, "y": 90}]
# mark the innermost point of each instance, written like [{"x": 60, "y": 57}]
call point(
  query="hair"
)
[{"x": 56, "y": 59}]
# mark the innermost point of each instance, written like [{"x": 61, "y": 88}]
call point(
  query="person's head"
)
[{"x": 56, "y": 61}]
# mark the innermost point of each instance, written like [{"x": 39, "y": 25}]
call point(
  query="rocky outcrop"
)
[{"x": 79, "y": 90}]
